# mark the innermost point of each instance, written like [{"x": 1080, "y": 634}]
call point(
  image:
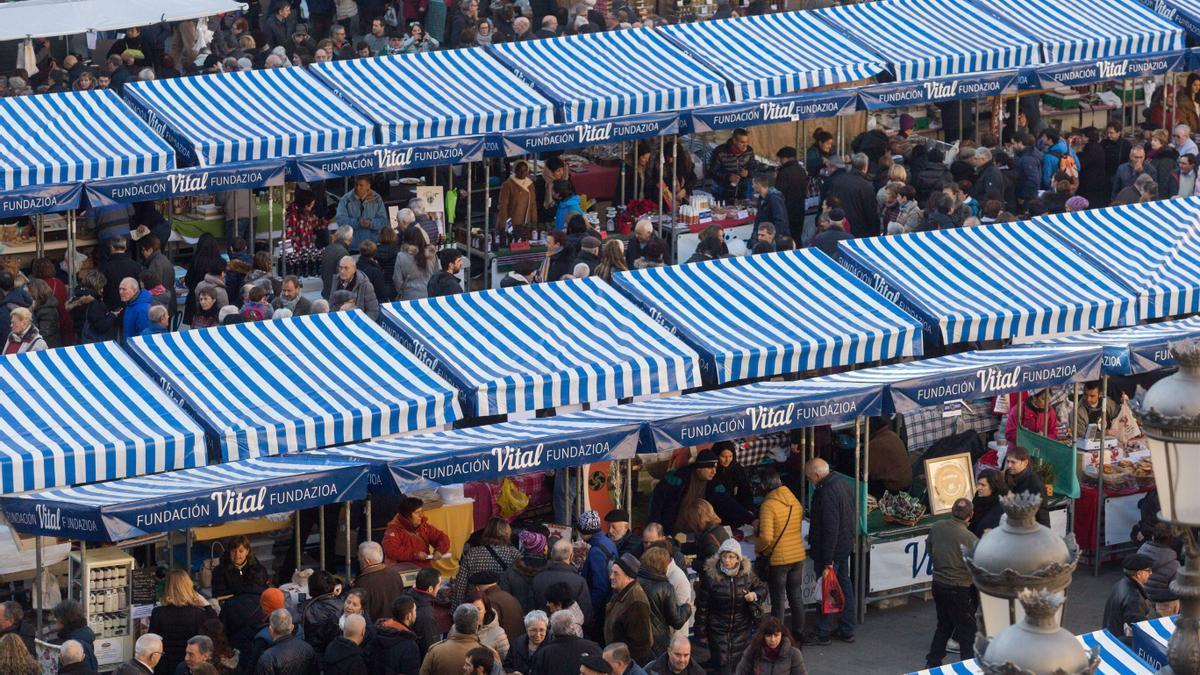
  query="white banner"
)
[
  {"x": 896, "y": 564},
  {"x": 1120, "y": 515}
]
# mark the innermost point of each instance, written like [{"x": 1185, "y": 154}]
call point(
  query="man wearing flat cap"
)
[
  {"x": 620, "y": 531},
  {"x": 627, "y": 616},
  {"x": 594, "y": 664},
  {"x": 512, "y": 617},
  {"x": 674, "y": 496},
  {"x": 1127, "y": 603}
]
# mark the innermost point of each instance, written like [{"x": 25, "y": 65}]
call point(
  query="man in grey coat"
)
[
  {"x": 351, "y": 280},
  {"x": 331, "y": 258},
  {"x": 157, "y": 263}
]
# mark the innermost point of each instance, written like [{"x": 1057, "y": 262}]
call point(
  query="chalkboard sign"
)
[{"x": 145, "y": 583}]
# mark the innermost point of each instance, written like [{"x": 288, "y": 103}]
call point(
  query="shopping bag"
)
[
  {"x": 1125, "y": 426},
  {"x": 511, "y": 500},
  {"x": 833, "y": 600}
]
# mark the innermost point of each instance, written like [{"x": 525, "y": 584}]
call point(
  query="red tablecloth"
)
[
  {"x": 1085, "y": 513},
  {"x": 723, "y": 224},
  {"x": 597, "y": 182}
]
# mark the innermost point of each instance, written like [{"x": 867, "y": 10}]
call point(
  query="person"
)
[
  {"x": 731, "y": 475},
  {"x": 507, "y": 610},
  {"x": 559, "y": 570},
  {"x": 517, "y": 580},
  {"x": 830, "y": 231},
  {"x": 89, "y": 313},
  {"x": 818, "y": 153},
  {"x": 238, "y": 570},
  {"x": 369, "y": 265},
  {"x": 854, "y": 191},
  {"x": 160, "y": 321},
  {"x": 792, "y": 182},
  {"x": 730, "y": 599},
  {"x": 489, "y": 631},
  {"x": 566, "y": 203},
  {"x": 15, "y": 658},
  {"x": 136, "y": 300},
  {"x": 602, "y": 552},
  {"x": 780, "y": 540},
  {"x": 673, "y": 498},
  {"x": 222, "y": 655},
  {"x": 677, "y": 660},
  {"x": 180, "y": 615},
  {"x": 1036, "y": 415},
  {"x": 350, "y": 279},
  {"x": 71, "y": 625},
  {"x": 989, "y": 182},
  {"x": 772, "y": 651},
  {"x": 559, "y": 260},
  {"x": 667, "y": 613},
  {"x": 518, "y": 199},
  {"x": 154, "y": 260},
  {"x": 953, "y": 596},
  {"x": 395, "y": 648},
  {"x": 344, "y": 655},
  {"x": 199, "y": 651},
  {"x": 1181, "y": 140},
  {"x": 331, "y": 257},
  {"x": 612, "y": 260},
  {"x": 43, "y": 271},
  {"x": 589, "y": 253},
  {"x": 618, "y": 658},
  {"x": 426, "y": 626},
  {"x": 116, "y": 268},
  {"x": 561, "y": 653},
  {"x": 71, "y": 659},
  {"x": 409, "y": 536},
  {"x": 1094, "y": 408},
  {"x": 985, "y": 506},
  {"x": 381, "y": 583},
  {"x": 1028, "y": 160},
  {"x": 416, "y": 263},
  {"x": 521, "y": 651},
  {"x": 445, "y": 281},
  {"x": 12, "y": 622},
  {"x": 418, "y": 41},
  {"x": 1021, "y": 478},
  {"x": 730, "y": 165},
  {"x": 1161, "y": 550},
  {"x": 831, "y": 539},
  {"x": 621, "y": 534},
  {"x": 1128, "y": 172},
  {"x": 301, "y": 224},
  {"x": 890, "y": 468},
  {"x": 24, "y": 336},
  {"x": 322, "y": 612},
  {"x": 594, "y": 664},
  {"x": 147, "y": 655},
  {"x": 480, "y": 660},
  {"x": 1127, "y": 604},
  {"x": 447, "y": 656},
  {"x": 288, "y": 654},
  {"x": 1057, "y": 155},
  {"x": 1182, "y": 181},
  {"x": 771, "y": 207},
  {"x": 290, "y": 298}
]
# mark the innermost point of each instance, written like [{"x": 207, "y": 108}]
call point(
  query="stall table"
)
[
  {"x": 189, "y": 229},
  {"x": 1120, "y": 510},
  {"x": 735, "y": 228}
]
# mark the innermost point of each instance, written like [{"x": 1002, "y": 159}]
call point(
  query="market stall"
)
[
  {"x": 1184, "y": 13},
  {"x": 1115, "y": 658},
  {"x": 1150, "y": 640},
  {"x": 297, "y": 384},
  {"x": 719, "y": 307},
  {"x": 1013, "y": 280},
  {"x": 83, "y": 414},
  {"x": 1069, "y": 31}
]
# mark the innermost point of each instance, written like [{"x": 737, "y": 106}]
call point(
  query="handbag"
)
[{"x": 762, "y": 561}]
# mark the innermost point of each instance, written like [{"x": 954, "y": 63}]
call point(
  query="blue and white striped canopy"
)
[
  {"x": 526, "y": 348},
  {"x": 1136, "y": 349},
  {"x": 177, "y": 500},
  {"x": 84, "y": 414},
  {"x": 934, "y": 38},
  {"x": 74, "y": 136},
  {"x": 1115, "y": 659},
  {"x": 461, "y": 92},
  {"x": 774, "y": 54},
  {"x": 270, "y": 387},
  {"x": 759, "y": 316},
  {"x": 1097, "y": 29},
  {"x": 424, "y": 461},
  {"x": 596, "y": 76},
  {"x": 259, "y": 114},
  {"x": 1153, "y": 248},
  {"x": 1150, "y": 639},
  {"x": 991, "y": 282}
]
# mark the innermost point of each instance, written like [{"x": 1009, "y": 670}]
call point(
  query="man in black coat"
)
[
  {"x": 344, "y": 656},
  {"x": 560, "y": 570},
  {"x": 445, "y": 282},
  {"x": 792, "y": 181},
  {"x": 1127, "y": 603},
  {"x": 831, "y": 540},
  {"x": 856, "y": 194},
  {"x": 118, "y": 266},
  {"x": 1019, "y": 474},
  {"x": 563, "y": 652},
  {"x": 289, "y": 655},
  {"x": 522, "y": 274},
  {"x": 989, "y": 183},
  {"x": 426, "y": 624}
]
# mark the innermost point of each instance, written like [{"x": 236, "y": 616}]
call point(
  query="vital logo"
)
[
  {"x": 994, "y": 379},
  {"x": 48, "y": 518},
  {"x": 939, "y": 90},
  {"x": 188, "y": 183},
  {"x": 764, "y": 417},
  {"x": 394, "y": 159},
  {"x": 593, "y": 133},
  {"x": 779, "y": 112},
  {"x": 1113, "y": 70},
  {"x": 236, "y": 503},
  {"x": 513, "y": 458},
  {"x": 1165, "y": 11}
]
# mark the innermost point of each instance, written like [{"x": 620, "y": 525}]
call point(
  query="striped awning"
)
[
  {"x": 774, "y": 54},
  {"x": 1115, "y": 658},
  {"x": 759, "y": 316},
  {"x": 74, "y": 136},
  {"x": 83, "y": 414},
  {"x": 178, "y": 500},
  {"x": 526, "y": 348},
  {"x": 990, "y": 282},
  {"x": 1136, "y": 349},
  {"x": 1150, "y": 639},
  {"x": 1153, "y": 248},
  {"x": 424, "y": 461},
  {"x": 1073, "y": 31},
  {"x": 258, "y": 114},
  {"x": 270, "y": 387},
  {"x": 597, "y": 76},
  {"x": 934, "y": 38},
  {"x": 461, "y": 92}
]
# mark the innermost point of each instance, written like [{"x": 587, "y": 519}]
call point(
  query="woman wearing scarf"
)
[
  {"x": 772, "y": 652},
  {"x": 986, "y": 512},
  {"x": 518, "y": 200},
  {"x": 731, "y": 601}
]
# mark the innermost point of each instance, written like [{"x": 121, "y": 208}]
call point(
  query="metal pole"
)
[
  {"x": 39, "y": 240},
  {"x": 296, "y": 534},
  {"x": 861, "y": 581},
  {"x": 321, "y": 535},
  {"x": 960, "y": 121},
  {"x": 487, "y": 223},
  {"x": 674, "y": 198},
  {"x": 858, "y": 452},
  {"x": 1099, "y": 544},
  {"x": 37, "y": 581},
  {"x": 72, "y": 224},
  {"x": 270, "y": 224},
  {"x": 661, "y": 171},
  {"x": 367, "y": 515},
  {"x": 623, "y": 200},
  {"x": 470, "y": 209},
  {"x": 975, "y": 116},
  {"x": 349, "y": 546},
  {"x": 187, "y": 544},
  {"x": 629, "y": 484}
]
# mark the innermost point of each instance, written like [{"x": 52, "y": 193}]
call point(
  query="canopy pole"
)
[
  {"x": 470, "y": 242},
  {"x": 487, "y": 223},
  {"x": 367, "y": 515},
  {"x": 674, "y": 198},
  {"x": 271, "y": 223},
  {"x": 349, "y": 546},
  {"x": 661, "y": 170},
  {"x": 860, "y": 581},
  {"x": 296, "y": 534},
  {"x": 72, "y": 223},
  {"x": 187, "y": 546},
  {"x": 975, "y": 116},
  {"x": 858, "y": 455},
  {"x": 37, "y": 581},
  {"x": 629, "y": 484},
  {"x": 1099, "y": 543},
  {"x": 960, "y": 120},
  {"x": 39, "y": 235},
  {"x": 321, "y": 534},
  {"x": 1075, "y": 414},
  {"x": 622, "y": 181}
]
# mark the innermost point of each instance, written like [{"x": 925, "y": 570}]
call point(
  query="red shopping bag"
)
[{"x": 833, "y": 600}]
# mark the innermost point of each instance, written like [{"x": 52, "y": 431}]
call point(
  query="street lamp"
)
[
  {"x": 1170, "y": 417},
  {"x": 1017, "y": 555},
  {"x": 1037, "y": 645}
]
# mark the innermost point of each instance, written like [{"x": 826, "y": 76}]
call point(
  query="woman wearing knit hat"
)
[
  {"x": 518, "y": 578},
  {"x": 731, "y": 600}
]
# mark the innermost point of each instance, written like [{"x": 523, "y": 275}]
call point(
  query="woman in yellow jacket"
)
[{"x": 780, "y": 526}]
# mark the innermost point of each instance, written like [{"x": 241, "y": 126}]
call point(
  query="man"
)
[
  {"x": 155, "y": 261},
  {"x": 1142, "y": 185},
  {"x": 479, "y": 661},
  {"x": 764, "y": 235},
  {"x": 652, "y": 533},
  {"x": 594, "y": 664},
  {"x": 466, "y": 17},
  {"x": 564, "y": 650},
  {"x": 1128, "y": 172},
  {"x": 160, "y": 320},
  {"x": 952, "y": 594},
  {"x": 71, "y": 659},
  {"x": 1182, "y": 140},
  {"x": 447, "y": 656},
  {"x": 135, "y": 318},
  {"x": 331, "y": 258},
  {"x": 362, "y": 209},
  {"x": 792, "y": 182},
  {"x": 618, "y": 658},
  {"x": 395, "y": 647},
  {"x": 522, "y": 29},
  {"x": 989, "y": 182},
  {"x": 349, "y": 279},
  {"x": 288, "y": 654},
  {"x": 1057, "y": 155},
  {"x": 600, "y": 555},
  {"x": 523, "y": 273},
  {"x": 342, "y": 47},
  {"x": 1020, "y": 476},
  {"x": 771, "y": 206},
  {"x": 426, "y": 624},
  {"x": 643, "y": 234},
  {"x": 560, "y": 570},
  {"x": 1127, "y": 603},
  {"x": 199, "y": 650},
  {"x": 381, "y": 582},
  {"x": 290, "y": 299},
  {"x": 621, "y": 534},
  {"x": 12, "y": 617},
  {"x": 1091, "y": 412},
  {"x": 780, "y": 539},
  {"x": 1182, "y": 182},
  {"x": 856, "y": 193},
  {"x": 276, "y": 27},
  {"x": 376, "y": 40},
  {"x": 512, "y": 617},
  {"x": 344, "y": 656},
  {"x": 589, "y": 253},
  {"x": 117, "y": 267},
  {"x": 627, "y": 615},
  {"x": 549, "y": 28},
  {"x": 445, "y": 281},
  {"x": 147, "y": 652},
  {"x": 831, "y": 538},
  {"x": 677, "y": 660},
  {"x": 730, "y": 166},
  {"x": 1028, "y": 161}
]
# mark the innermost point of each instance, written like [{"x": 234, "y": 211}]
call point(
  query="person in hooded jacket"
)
[
  {"x": 518, "y": 578},
  {"x": 731, "y": 475},
  {"x": 730, "y": 599},
  {"x": 772, "y": 651},
  {"x": 986, "y": 509},
  {"x": 269, "y": 600},
  {"x": 319, "y": 618},
  {"x": 666, "y": 613},
  {"x": 416, "y": 263},
  {"x": 89, "y": 313},
  {"x": 396, "y": 648}
]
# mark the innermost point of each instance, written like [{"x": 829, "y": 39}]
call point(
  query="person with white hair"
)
[
  {"x": 351, "y": 280},
  {"x": 564, "y": 651},
  {"x": 281, "y": 314},
  {"x": 1182, "y": 140},
  {"x": 245, "y": 65},
  {"x": 160, "y": 320},
  {"x": 320, "y": 306},
  {"x": 71, "y": 657},
  {"x": 331, "y": 257},
  {"x": 287, "y": 655},
  {"x": 147, "y": 652},
  {"x": 831, "y": 539},
  {"x": 146, "y": 75},
  {"x": 381, "y": 582},
  {"x": 420, "y": 210},
  {"x": 226, "y": 312},
  {"x": 643, "y": 234}
]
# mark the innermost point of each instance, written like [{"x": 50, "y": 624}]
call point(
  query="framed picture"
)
[{"x": 949, "y": 478}]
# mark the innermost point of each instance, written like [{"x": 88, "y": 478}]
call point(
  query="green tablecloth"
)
[{"x": 192, "y": 229}]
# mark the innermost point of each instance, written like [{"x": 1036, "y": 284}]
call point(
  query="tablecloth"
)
[
  {"x": 457, "y": 522},
  {"x": 925, "y": 426},
  {"x": 597, "y": 182}
]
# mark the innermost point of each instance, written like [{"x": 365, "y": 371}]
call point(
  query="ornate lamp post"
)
[{"x": 1037, "y": 645}]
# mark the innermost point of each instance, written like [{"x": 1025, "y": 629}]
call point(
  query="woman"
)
[
  {"x": 820, "y": 151},
  {"x": 44, "y": 269},
  {"x": 238, "y": 568},
  {"x": 416, "y": 263},
  {"x": 612, "y": 260},
  {"x": 24, "y": 336},
  {"x": 667, "y": 615},
  {"x": 207, "y": 311},
  {"x": 263, "y": 276},
  {"x": 1187, "y": 104},
  {"x": 771, "y": 652},
  {"x": 215, "y": 280},
  {"x": 1034, "y": 416},
  {"x": 732, "y": 475},
  {"x": 518, "y": 200},
  {"x": 494, "y": 552},
  {"x": 709, "y": 534},
  {"x": 301, "y": 224},
  {"x": 224, "y": 657},
  {"x": 356, "y": 603},
  {"x": 70, "y": 624},
  {"x": 639, "y": 183},
  {"x": 369, "y": 265},
  {"x": 88, "y": 311},
  {"x": 385, "y": 255},
  {"x": 731, "y": 601},
  {"x": 417, "y": 41},
  {"x": 409, "y": 537},
  {"x": 322, "y": 613},
  {"x": 711, "y": 246},
  {"x": 45, "y": 312},
  {"x": 1094, "y": 184},
  {"x": 1163, "y": 157},
  {"x": 520, "y": 653},
  {"x": 490, "y": 633},
  {"x": 204, "y": 258},
  {"x": 15, "y": 658},
  {"x": 179, "y": 616},
  {"x": 989, "y": 488}
]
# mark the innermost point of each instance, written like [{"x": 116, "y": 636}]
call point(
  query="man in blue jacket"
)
[
  {"x": 831, "y": 540},
  {"x": 595, "y": 569},
  {"x": 362, "y": 209},
  {"x": 1029, "y": 166},
  {"x": 771, "y": 207},
  {"x": 1054, "y": 148},
  {"x": 136, "y": 315}
]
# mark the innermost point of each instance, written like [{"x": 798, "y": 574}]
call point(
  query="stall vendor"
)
[
  {"x": 1089, "y": 410},
  {"x": 409, "y": 536},
  {"x": 1034, "y": 416}
]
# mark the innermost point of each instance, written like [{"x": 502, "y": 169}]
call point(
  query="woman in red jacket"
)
[
  {"x": 409, "y": 536},
  {"x": 1033, "y": 416}
]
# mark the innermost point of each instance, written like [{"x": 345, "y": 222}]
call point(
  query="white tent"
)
[{"x": 51, "y": 18}]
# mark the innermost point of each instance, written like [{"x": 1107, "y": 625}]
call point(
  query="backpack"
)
[{"x": 1066, "y": 163}]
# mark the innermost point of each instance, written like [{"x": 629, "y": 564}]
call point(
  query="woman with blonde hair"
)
[
  {"x": 612, "y": 259},
  {"x": 15, "y": 659},
  {"x": 494, "y": 553},
  {"x": 709, "y": 533},
  {"x": 179, "y": 616}
]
